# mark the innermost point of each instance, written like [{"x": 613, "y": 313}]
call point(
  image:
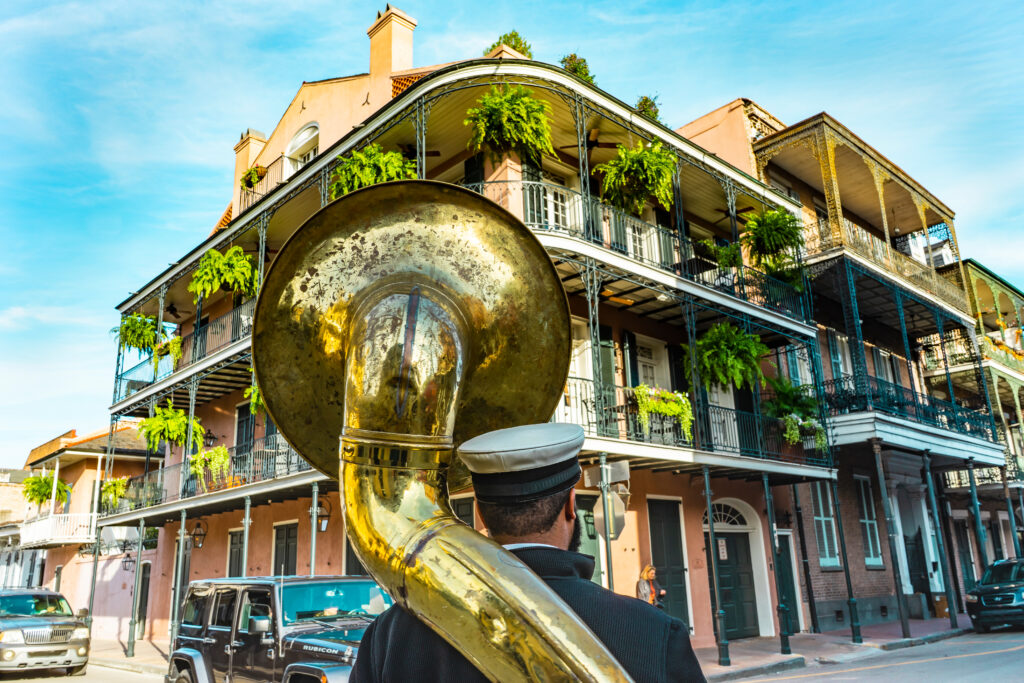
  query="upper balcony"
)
[{"x": 51, "y": 531}]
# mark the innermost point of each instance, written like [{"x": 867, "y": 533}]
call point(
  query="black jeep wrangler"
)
[{"x": 287, "y": 630}]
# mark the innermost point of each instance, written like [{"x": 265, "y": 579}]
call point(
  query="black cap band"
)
[{"x": 527, "y": 485}]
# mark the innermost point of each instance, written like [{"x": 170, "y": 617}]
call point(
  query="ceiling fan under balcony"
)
[
  {"x": 409, "y": 151},
  {"x": 592, "y": 142},
  {"x": 740, "y": 218}
]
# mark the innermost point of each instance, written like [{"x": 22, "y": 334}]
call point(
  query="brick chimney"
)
[
  {"x": 390, "y": 51},
  {"x": 249, "y": 146}
]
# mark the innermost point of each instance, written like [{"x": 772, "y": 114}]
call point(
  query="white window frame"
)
[
  {"x": 302, "y": 148},
  {"x": 824, "y": 524},
  {"x": 868, "y": 518}
]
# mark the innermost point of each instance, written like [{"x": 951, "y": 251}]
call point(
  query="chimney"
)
[
  {"x": 390, "y": 51},
  {"x": 249, "y": 146}
]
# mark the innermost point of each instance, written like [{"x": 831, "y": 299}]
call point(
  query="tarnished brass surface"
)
[{"x": 404, "y": 319}]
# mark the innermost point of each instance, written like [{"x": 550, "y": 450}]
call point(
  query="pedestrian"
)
[
  {"x": 523, "y": 480},
  {"x": 648, "y": 589}
]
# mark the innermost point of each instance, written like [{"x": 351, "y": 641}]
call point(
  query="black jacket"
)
[{"x": 651, "y": 645}]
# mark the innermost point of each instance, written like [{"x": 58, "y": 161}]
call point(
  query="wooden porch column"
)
[{"x": 824, "y": 148}]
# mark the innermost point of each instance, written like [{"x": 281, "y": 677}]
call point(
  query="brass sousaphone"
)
[{"x": 400, "y": 321}]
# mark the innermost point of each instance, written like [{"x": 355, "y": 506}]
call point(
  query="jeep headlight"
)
[
  {"x": 970, "y": 598},
  {"x": 12, "y": 637},
  {"x": 80, "y": 633}
]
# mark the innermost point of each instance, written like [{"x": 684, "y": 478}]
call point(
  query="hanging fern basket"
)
[{"x": 671, "y": 404}]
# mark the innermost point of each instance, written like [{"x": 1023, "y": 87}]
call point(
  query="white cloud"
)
[{"x": 24, "y": 317}]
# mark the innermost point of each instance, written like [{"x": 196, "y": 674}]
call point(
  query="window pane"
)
[
  {"x": 224, "y": 611},
  {"x": 195, "y": 610}
]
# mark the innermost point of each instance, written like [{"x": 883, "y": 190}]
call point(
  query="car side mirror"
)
[
  {"x": 259, "y": 625},
  {"x": 83, "y": 613}
]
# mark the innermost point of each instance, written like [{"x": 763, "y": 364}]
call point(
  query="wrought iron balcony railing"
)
[
  {"x": 195, "y": 346},
  {"x": 820, "y": 238},
  {"x": 261, "y": 460},
  {"x": 723, "y": 430},
  {"x": 550, "y": 208},
  {"x": 1001, "y": 352},
  {"x": 267, "y": 184},
  {"x": 987, "y": 476},
  {"x": 62, "y": 529},
  {"x": 843, "y": 396}
]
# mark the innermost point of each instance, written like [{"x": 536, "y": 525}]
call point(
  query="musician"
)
[{"x": 523, "y": 479}]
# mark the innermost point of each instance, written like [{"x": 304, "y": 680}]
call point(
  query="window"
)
[
  {"x": 868, "y": 523},
  {"x": 234, "y": 553},
  {"x": 794, "y": 367},
  {"x": 824, "y": 524},
  {"x": 195, "y": 609},
  {"x": 286, "y": 547},
  {"x": 256, "y": 603},
  {"x": 224, "y": 608},
  {"x": 303, "y": 148}
]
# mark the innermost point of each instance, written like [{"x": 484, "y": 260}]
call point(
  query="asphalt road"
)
[
  {"x": 94, "y": 674},
  {"x": 991, "y": 658}
]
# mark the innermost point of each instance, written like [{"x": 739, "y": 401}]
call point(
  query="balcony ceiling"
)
[{"x": 224, "y": 380}]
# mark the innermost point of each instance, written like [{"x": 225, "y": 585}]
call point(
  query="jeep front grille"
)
[{"x": 48, "y": 634}]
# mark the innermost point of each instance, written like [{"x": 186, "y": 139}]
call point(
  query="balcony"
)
[
  {"x": 861, "y": 242},
  {"x": 987, "y": 477},
  {"x": 266, "y": 185},
  {"x": 217, "y": 334},
  {"x": 727, "y": 430},
  {"x": 52, "y": 531},
  {"x": 262, "y": 460},
  {"x": 549, "y": 208},
  {"x": 842, "y": 397}
]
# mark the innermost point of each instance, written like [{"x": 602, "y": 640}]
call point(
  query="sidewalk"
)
[
  {"x": 150, "y": 658},
  {"x": 760, "y": 656}
]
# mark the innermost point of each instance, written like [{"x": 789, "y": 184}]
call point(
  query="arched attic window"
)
[{"x": 303, "y": 148}]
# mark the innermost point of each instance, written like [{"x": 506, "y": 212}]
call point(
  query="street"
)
[
  {"x": 94, "y": 674},
  {"x": 974, "y": 657}
]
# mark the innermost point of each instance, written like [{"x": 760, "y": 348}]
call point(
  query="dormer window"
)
[{"x": 303, "y": 148}]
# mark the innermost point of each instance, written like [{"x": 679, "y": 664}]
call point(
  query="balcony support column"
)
[
  {"x": 193, "y": 386},
  {"x": 979, "y": 528},
  {"x": 701, "y": 423},
  {"x": 805, "y": 563},
  {"x": 880, "y": 176},
  {"x": 323, "y": 182},
  {"x": 246, "y": 521},
  {"x": 824, "y": 149},
  {"x": 979, "y": 372},
  {"x": 717, "y": 613},
  {"x": 53, "y": 489},
  {"x": 592, "y": 286},
  {"x": 943, "y": 562},
  {"x": 898, "y": 296},
  {"x": 1012, "y": 515},
  {"x": 160, "y": 299},
  {"x": 730, "y": 204},
  {"x": 420, "y": 113},
  {"x": 851, "y": 319},
  {"x": 890, "y": 526},
  {"x": 179, "y": 581},
  {"x": 818, "y": 373},
  {"x": 133, "y": 622},
  {"x": 783, "y": 609},
  {"x": 941, "y": 325},
  {"x": 312, "y": 528},
  {"x": 579, "y": 117},
  {"x": 95, "y": 506},
  {"x": 118, "y": 365},
  {"x": 855, "y": 635},
  {"x": 261, "y": 231},
  {"x": 947, "y": 530}
]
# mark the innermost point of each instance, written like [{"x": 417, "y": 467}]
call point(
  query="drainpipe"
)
[
  {"x": 246, "y": 520},
  {"x": 176, "y": 588},
  {"x": 805, "y": 562},
  {"x": 1009, "y": 510},
  {"x": 891, "y": 529},
  {"x": 979, "y": 530},
  {"x": 312, "y": 530},
  {"x": 718, "y": 613},
  {"x": 783, "y": 610},
  {"x": 132, "y": 623},
  {"x": 946, "y": 580}
]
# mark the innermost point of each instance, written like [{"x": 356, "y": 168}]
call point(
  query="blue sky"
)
[{"x": 117, "y": 121}]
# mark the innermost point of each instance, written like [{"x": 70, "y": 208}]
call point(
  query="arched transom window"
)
[{"x": 725, "y": 515}]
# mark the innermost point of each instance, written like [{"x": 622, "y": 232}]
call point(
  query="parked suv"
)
[
  {"x": 38, "y": 630},
  {"x": 999, "y": 596},
  {"x": 286, "y": 630}
]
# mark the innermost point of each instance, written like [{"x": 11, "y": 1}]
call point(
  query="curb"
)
[
  {"x": 793, "y": 662},
  {"x": 127, "y": 665},
  {"x": 923, "y": 640}
]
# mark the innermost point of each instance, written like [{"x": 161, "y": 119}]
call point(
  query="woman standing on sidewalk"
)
[{"x": 648, "y": 589}]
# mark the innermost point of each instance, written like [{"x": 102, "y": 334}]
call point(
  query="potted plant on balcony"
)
[
  {"x": 772, "y": 239},
  {"x": 369, "y": 166},
  {"x": 796, "y": 411},
  {"x": 38, "y": 488},
  {"x": 170, "y": 425},
  {"x": 255, "y": 397},
  {"x": 513, "y": 40},
  {"x": 137, "y": 331},
  {"x": 251, "y": 177},
  {"x": 216, "y": 461},
  {"x": 170, "y": 347},
  {"x": 578, "y": 67},
  {"x": 636, "y": 174},
  {"x": 507, "y": 120},
  {"x": 648, "y": 106},
  {"x": 112, "y": 492},
  {"x": 671, "y": 404},
  {"x": 233, "y": 270},
  {"x": 726, "y": 355}
]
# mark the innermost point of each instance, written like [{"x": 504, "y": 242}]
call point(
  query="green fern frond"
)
[
  {"x": 637, "y": 173},
  {"x": 369, "y": 166},
  {"x": 509, "y": 119}
]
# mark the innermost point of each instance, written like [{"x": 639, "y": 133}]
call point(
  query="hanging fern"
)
[
  {"x": 369, "y": 166},
  {"x": 233, "y": 269},
  {"x": 513, "y": 40},
  {"x": 171, "y": 347},
  {"x": 169, "y": 424},
  {"x": 728, "y": 256},
  {"x": 727, "y": 355},
  {"x": 113, "y": 491},
  {"x": 637, "y": 173},
  {"x": 38, "y": 488},
  {"x": 510, "y": 119},
  {"x": 578, "y": 67},
  {"x": 251, "y": 177},
  {"x": 669, "y": 403},
  {"x": 256, "y": 404},
  {"x": 648, "y": 106},
  {"x": 770, "y": 236},
  {"x": 137, "y": 331},
  {"x": 216, "y": 461}
]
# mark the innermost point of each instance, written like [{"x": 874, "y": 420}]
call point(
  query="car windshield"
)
[
  {"x": 1004, "y": 573},
  {"x": 332, "y": 599},
  {"x": 32, "y": 605}
]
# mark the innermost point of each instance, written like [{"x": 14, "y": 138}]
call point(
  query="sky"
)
[{"x": 118, "y": 119}]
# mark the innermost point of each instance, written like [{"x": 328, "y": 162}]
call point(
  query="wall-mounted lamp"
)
[
  {"x": 323, "y": 513},
  {"x": 128, "y": 562},
  {"x": 199, "y": 534}
]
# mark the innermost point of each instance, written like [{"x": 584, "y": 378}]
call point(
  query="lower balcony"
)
[
  {"x": 52, "y": 531},
  {"x": 262, "y": 460},
  {"x": 722, "y": 430}
]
